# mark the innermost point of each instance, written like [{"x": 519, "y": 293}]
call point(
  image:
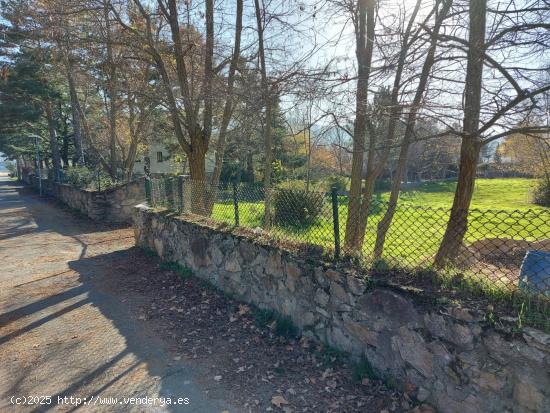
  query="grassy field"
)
[
  {"x": 494, "y": 194},
  {"x": 503, "y": 210}
]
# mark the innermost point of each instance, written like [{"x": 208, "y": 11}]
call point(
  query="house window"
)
[{"x": 159, "y": 157}]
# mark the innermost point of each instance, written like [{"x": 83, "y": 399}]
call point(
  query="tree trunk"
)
[
  {"x": 228, "y": 107},
  {"x": 471, "y": 142},
  {"x": 77, "y": 127},
  {"x": 199, "y": 185},
  {"x": 131, "y": 159},
  {"x": 457, "y": 226},
  {"x": 384, "y": 224},
  {"x": 267, "y": 98},
  {"x": 65, "y": 148},
  {"x": 401, "y": 170},
  {"x": 111, "y": 87},
  {"x": 227, "y": 110},
  {"x": 56, "y": 158},
  {"x": 365, "y": 44}
]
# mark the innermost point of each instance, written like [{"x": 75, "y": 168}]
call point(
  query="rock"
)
[
  {"x": 308, "y": 319},
  {"x": 288, "y": 307},
  {"x": 412, "y": 348},
  {"x": 232, "y": 264},
  {"x": 319, "y": 275},
  {"x": 462, "y": 336},
  {"x": 362, "y": 333},
  {"x": 321, "y": 297},
  {"x": 217, "y": 256},
  {"x": 422, "y": 394},
  {"x": 274, "y": 265},
  {"x": 291, "y": 285},
  {"x": 323, "y": 312},
  {"x": 396, "y": 309},
  {"x": 528, "y": 396},
  {"x": 436, "y": 325},
  {"x": 465, "y": 314},
  {"x": 198, "y": 248},
  {"x": 339, "y": 340},
  {"x": 338, "y": 294},
  {"x": 333, "y": 275},
  {"x": 248, "y": 251},
  {"x": 423, "y": 408},
  {"x": 159, "y": 247},
  {"x": 292, "y": 270},
  {"x": 490, "y": 381},
  {"x": 355, "y": 285},
  {"x": 537, "y": 335}
]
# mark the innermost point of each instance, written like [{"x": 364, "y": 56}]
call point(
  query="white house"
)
[{"x": 162, "y": 161}]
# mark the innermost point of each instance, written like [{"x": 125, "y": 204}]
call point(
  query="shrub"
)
[
  {"x": 296, "y": 207},
  {"x": 175, "y": 267},
  {"x": 338, "y": 182},
  {"x": 364, "y": 370},
  {"x": 10, "y": 166},
  {"x": 282, "y": 325},
  {"x": 541, "y": 193},
  {"x": 86, "y": 178}
]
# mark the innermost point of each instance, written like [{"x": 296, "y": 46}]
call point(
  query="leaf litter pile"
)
[{"x": 243, "y": 353}]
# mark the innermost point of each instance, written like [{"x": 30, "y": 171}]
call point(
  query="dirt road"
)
[{"x": 62, "y": 333}]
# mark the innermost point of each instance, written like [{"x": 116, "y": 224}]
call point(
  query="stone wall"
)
[
  {"x": 445, "y": 355},
  {"x": 112, "y": 205}
]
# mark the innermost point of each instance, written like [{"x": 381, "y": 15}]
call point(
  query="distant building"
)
[{"x": 161, "y": 161}]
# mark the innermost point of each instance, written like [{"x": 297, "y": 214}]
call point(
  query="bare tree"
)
[
  {"x": 364, "y": 32},
  {"x": 441, "y": 11},
  {"x": 193, "y": 120},
  {"x": 526, "y": 29}
]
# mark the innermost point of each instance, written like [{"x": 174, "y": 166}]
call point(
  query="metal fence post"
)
[
  {"x": 335, "y": 221},
  {"x": 180, "y": 192},
  {"x": 236, "y": 204},
  {"x": 148, "y": 191},
  {"x": 169, "y": 192}
]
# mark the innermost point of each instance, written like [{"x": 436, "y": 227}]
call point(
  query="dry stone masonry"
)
[
  {"x": 112, "y": 205},
  {"x": 445, "y": 355}
]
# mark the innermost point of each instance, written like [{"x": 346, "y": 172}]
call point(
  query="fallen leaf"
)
[
  {"x": 278, "y": 400},
  {"x": 243, "y": 309},
  {"x": 326, "y": 374}
]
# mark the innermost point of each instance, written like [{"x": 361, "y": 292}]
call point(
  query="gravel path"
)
[{"x": 84, "y": 313}]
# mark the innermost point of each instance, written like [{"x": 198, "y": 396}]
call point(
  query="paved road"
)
[{"x": 61, "y": 334}]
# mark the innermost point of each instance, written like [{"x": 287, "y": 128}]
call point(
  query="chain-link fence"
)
[{"x": 502, "y": 259}]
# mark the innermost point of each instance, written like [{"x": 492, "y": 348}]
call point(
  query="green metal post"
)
[
  {"x": 335, "y": 221},
  {"x": 180, "y": 193},
  {"x": 148, "y": 191},
  {"x": 236, "y": 204},
  {"x": 168, "y": 190}
]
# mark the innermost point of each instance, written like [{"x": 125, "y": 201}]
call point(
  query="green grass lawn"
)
[
  {"x": 421, "y": 218},
  {"x": 495, "y": 194}
]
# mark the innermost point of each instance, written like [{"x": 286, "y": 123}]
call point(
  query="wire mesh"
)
[{"x": 503, "y": 255}]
